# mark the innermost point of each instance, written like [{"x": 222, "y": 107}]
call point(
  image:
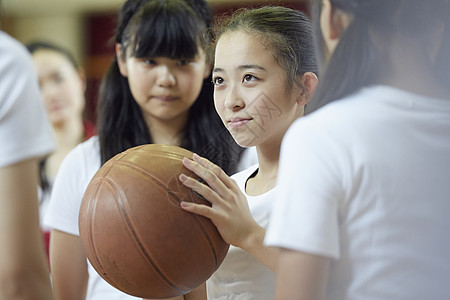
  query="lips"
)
[
  {"x": 165, "y": 98},
  {"x": 55, "y": 106},
  {"x": 238, "y": 122}
]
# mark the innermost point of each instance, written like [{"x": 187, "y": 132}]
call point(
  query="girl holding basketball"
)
[
  {"x": 157, "y": 90},
  {"x": 362, "y": 212},
  {"x": 264, "y": 73}
]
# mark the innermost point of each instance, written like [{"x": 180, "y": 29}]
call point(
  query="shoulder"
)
[
  {"x": 88, "y": 151},
  {"x": 24, "y": 122},
  {"x": 10, "y": 48},
  {"x": 85, "y": 158},
  {"x": 15, "y": 59},
  {"x": 16, "y": 71},
  {"x": 369, "y": 102}
]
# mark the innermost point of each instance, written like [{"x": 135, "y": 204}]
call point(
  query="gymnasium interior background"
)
[{"x": 85, "y": 27}]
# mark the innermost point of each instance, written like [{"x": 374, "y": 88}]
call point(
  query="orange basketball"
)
[{"x": 135, "y": 234}]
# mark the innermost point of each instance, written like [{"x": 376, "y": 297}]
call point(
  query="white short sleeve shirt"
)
[
  {"x": 25, "y": 130},
  {"x": 366, "y": 181}
]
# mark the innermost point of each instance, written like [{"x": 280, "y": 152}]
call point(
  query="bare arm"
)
[
  {"x": 69, "y": 266},
  {"x": 23, "y": 268},
  {"x": 301, "y": 276},
  {"x": 254, "y": 244}
]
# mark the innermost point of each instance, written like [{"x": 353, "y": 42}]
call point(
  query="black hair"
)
[
  {"x": 356, "y": 62},
  {"x": 42, "y": 45},
  {"x": 287, "y": 30},
  {"x": 166, "y": 28}
]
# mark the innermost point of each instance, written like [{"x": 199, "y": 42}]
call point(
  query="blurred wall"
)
[{"x": 65, "y": 30}]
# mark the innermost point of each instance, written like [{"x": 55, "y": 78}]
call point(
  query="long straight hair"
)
[
  {"x": 356, "y": 62},
  {"x": 167, "y": 28}
]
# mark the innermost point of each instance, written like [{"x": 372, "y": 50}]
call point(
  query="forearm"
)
[
  {"x": 254, "y": 244},
  {"x": 25, "y": 284},
  {"x": 69, "y": 266},
  {"x": 23, "y": 269}
]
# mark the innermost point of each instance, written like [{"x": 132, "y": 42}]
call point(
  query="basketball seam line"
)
[
  {"x": 178, "y": 201},
  {"x": 141, "y": 246}
]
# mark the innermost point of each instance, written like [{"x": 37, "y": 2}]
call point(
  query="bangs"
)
[{"x": 168, "y": 30}]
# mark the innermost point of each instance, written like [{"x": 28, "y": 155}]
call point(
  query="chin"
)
[{"x": 245, "y": 142}]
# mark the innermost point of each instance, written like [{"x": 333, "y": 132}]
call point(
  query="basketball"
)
[{"x": 135, "y": 234}]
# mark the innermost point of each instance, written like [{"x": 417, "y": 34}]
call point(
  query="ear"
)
[
  {"x": 82, "y": 76},
  {"x": 121, "y": 61},
  {"x": 333, "y": 23},
  {"x": 309, "y": 82},
  {"x": 207, "y": 71},
  {"x": 207, "y": 66}
]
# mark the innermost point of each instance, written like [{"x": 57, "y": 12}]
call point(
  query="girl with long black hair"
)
[{"x": 157, "y": 90}]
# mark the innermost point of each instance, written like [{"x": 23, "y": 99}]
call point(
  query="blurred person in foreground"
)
[
  {"x": 362, "y": 211},
  {"x": 25, "y": 136}
]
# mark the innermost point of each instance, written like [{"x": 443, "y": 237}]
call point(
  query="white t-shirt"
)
[
  {"x": 74, "y": 175},
  {"x": 25, "y": 131},
  {"x": 241, "y": 276},
  {"x": 72, "y": 179},
  {"x": 366, "y": 182}
]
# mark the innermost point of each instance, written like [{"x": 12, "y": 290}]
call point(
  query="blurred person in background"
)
[{"x": 63, "y": 84}]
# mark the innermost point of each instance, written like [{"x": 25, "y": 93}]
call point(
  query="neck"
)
[
  {"x": 68, "y": 134},
  {"x": 169, "y": 132},
  {"x": 266, "y": 178},
  {"x": 417, "y": 77}
]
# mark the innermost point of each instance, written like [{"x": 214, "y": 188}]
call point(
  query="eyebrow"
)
[{"x": 243, "y": 67}]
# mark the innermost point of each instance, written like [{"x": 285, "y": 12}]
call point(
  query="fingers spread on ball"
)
[
  {"x": 208, "y": 175},
  {"x": 199, "y": 209},
  {"x": 216, "y": 170},
  {"x": 200, "y": 188}
]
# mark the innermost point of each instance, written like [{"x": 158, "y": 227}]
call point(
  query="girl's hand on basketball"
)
[{"x": 229, "y": 211}]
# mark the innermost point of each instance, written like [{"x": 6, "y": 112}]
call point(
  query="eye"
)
[
  {"x": 184, "y": 62},
  {"x": 218, "y": 80},
  {"x": 149, "y": 61},
  {"x": 58, "y": 78},
  {"x": 249, "y": 78}
]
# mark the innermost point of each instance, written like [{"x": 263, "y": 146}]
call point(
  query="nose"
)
[
  {"x": 48, "y": 90},
  {"x": 234, "y": 100},
  {"x": 165, "y": 77}
]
